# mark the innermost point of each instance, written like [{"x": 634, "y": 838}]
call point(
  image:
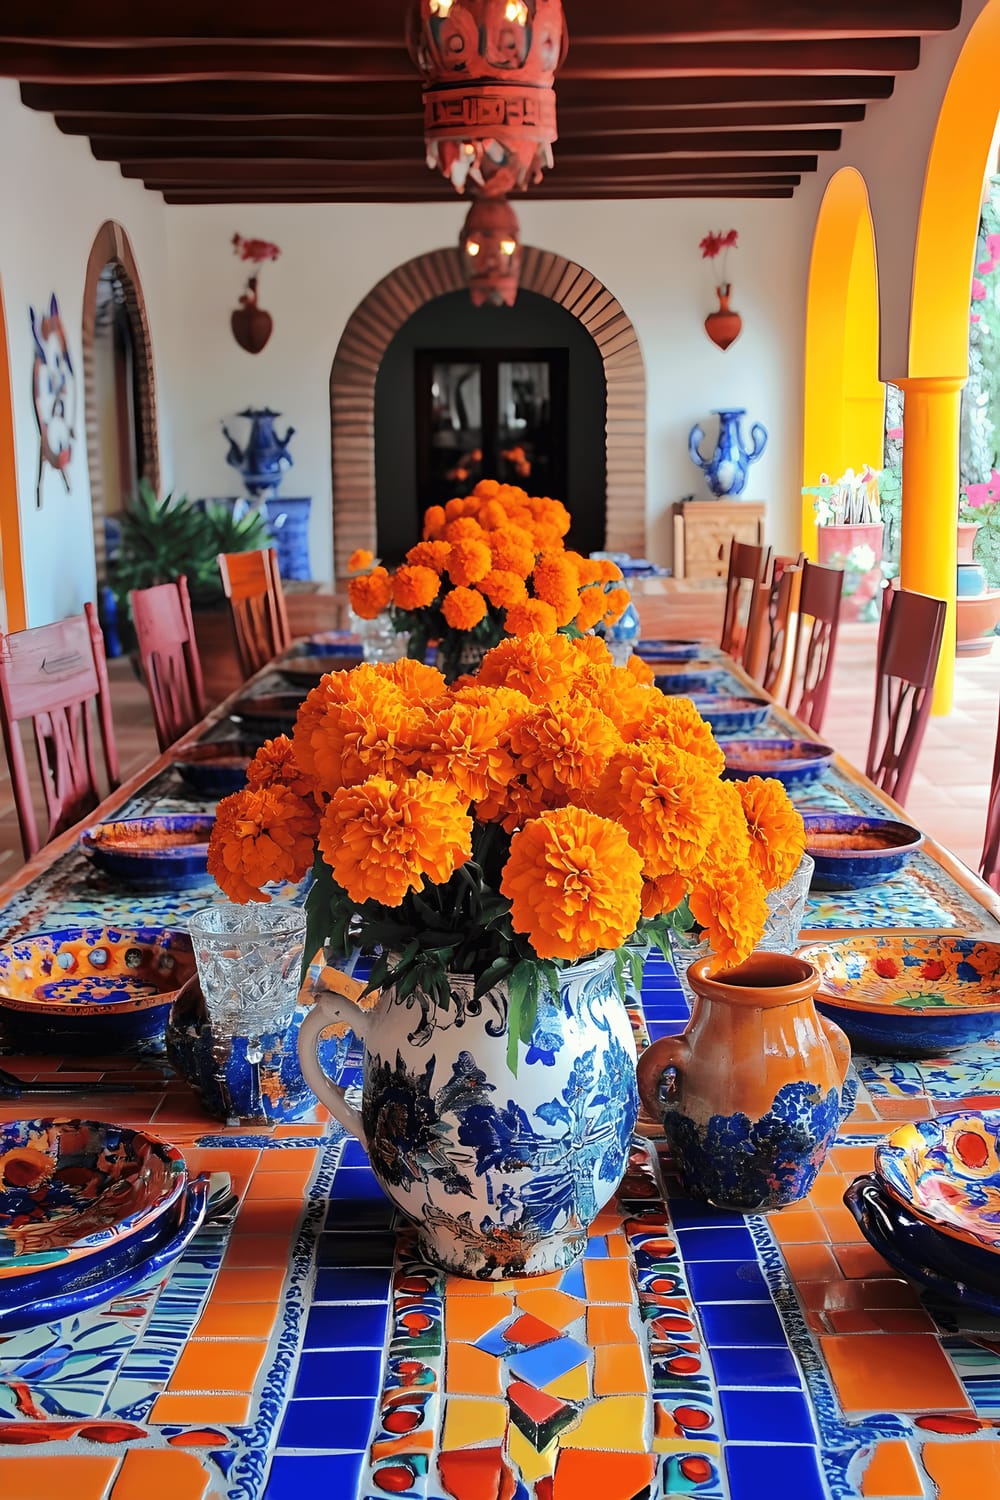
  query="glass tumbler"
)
[{"x": 786, "y": 910}]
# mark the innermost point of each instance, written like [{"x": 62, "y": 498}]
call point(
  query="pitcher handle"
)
[
  {"x": 668, "y": 1056},
  {"x": 839, "y": 1045},
  {"x": 325, "y": 1011}
]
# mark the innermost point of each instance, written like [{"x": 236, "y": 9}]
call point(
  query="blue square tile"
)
[
  {"x": 360, "y": 1213},
  {"x": 742, "y": 1323},
  {"x": 755, "y": 1367},
  {"x": 352, "y": 1284},
  {"x": 547, "y": 1361},
  {"x": 340, "y": 1372},
  {"x": 657, "y": 1029},
  {"x": 356, "y": 1183},
  {"x": 371, "y": 1249},
  {"x": 783, "y": 1415},
  {"x": 345, "y": 1326},
  {"x": 353, "y": 1154},
  {"x": 292, "y": 1477},
  {"x": 768, "y": 1469},
  {"x": 729, "y": 1243},
  {"x": 328, "y": 1424},
  {"x": 572, "y": 1282},
  {"x": 689, "y": 1213},
  {"x": 727, "y": 1281},
  {"x": 597, "y": 1248}
]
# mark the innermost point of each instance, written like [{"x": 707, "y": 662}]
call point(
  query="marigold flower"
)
[
  {"x": 553, "y": 578},
  {"x": 275, "y": 765},
  {"x": 640, "y": 670},
  {"x": 616, "y": 602},
  {"x": 590, "y": 609},
  {"x": 467, "y": 743},
  {"x": 384, "y": 838},
  {"x": 730, "y": 849},
  {"x": 533, "y": 617},
  {"x": 540, "y": 667},
  {"x": 487, "y": 489},
  {"x": 563, "y": 746},
  {"x": 414, "y": 587},
  {"x": 513, "y": 551},
  {"x": 675, "y": 720},
  {"x": 503, "y": 588},
  {"x": 608, "y": 571},
  {"x": 433, "y": 522},
  {"x": 777, "y": 832},
  {"x": 616, "y": 693},
  {"x": 662, "y": 894},
  {"x": 362, "y": 735},
  {"x": 595, "y": 649},
  {"x": 463, "y": 608},
  {"x": 332, "y": 689},
  {"x": 491, "y": 515},
  {"x": 463, "y": 528},
  {"x": 574, "y": 883},
  {"x": 665, "y": 800},
  {"x": 359, "y": 559},
  {"x": 419, "y": 683},
  {"x": 455, "y": 508},
  {"x": 430, "y": 555},
  {"x": 732, "y": 908},
  {"x": 470, "y": 561},
  {"x": 370, "y": 593},
  {"x": 261, "y": 835}
]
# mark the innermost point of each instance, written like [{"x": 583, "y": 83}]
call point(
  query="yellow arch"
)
[
  {"x": 844, "y": 411},
  {"x": 10, "y": 515}
]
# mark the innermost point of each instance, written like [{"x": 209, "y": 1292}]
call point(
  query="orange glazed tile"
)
[
  {"x": 472, "y": 1372},
  {"x": 964, "y": 1471},
  {"x": 237, "y": 1320},
  {"x": 158, "y": 1475},
  {"x": 468, "y": 1422},
  {"x": 612, "y": 1476},
  {"x": 300, "y": 1159},
  {"x": 46, "y": 1478},
  {"x": 891, "y": 1472},
  {"x": 905, "y": 1109},
  {"x": 248, "y": 1286},
  {"x": 798, "y": 1226},
  {"x": 609, "y": 1325},
  {"x": 217, "y": 1365},
  {"x": 607, "y": 1222},
  {"x": 462, "y": 1286},
  {"x": 198, "y": 1408},
  {"x": 269, "y": 1218},
  {"x": 255, "y": 1250},
  {"x": 851, "y": 1161},
  {"x": 862, "y": 1111},
  {"x": 810, "y": 1262},
  {"x": 861, "y": 1320},
  {"x": 893, "y": 1372},
  {"x": 862, "y": 1260},
  {"x": 558, "y": 1309},
  {"x": 881, "y": 1292},
  {"x": 828, "y": 1190},
  {"x": 289, "y": 1185},
  {"x": 619, "y": 1370},
  {"x": 608, "y": 1280},
  {"x": 618, "y": 1247},
  {"x": 842, "y": 1226},
  {"x": 468, "y": 1318}
]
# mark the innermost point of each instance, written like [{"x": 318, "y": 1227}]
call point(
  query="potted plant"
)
[{"x": 851, "y": 535}]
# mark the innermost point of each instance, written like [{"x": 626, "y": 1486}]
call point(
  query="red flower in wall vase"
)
[{"x": 251, "y": 324}]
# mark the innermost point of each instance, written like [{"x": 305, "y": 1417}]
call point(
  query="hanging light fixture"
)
[
  {"x": 489, "y": 105},
  {"x": 490, "y": 243}
]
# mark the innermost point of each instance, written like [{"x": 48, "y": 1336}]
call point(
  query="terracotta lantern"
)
[
  {"x": 490, "y": 243},
  {"x": 489, "y": 105}
]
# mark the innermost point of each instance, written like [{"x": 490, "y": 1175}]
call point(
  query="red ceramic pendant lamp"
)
[
  {"x": 490, "y": 243},
  {"x": 489, "y": 105}
]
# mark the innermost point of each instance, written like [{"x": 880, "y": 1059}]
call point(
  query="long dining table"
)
[{"x": 299, "y": 1347}]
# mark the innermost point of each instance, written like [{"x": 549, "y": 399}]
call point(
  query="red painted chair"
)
[
  {"x": 909, "y": 646},
  {"x": 252, "y": 585},
  {"x": 169, "y": 656},
  {"x": 748, "y": 565},
  {"x": 52, "y": 674},
  {"x": 816, "y": 643}
]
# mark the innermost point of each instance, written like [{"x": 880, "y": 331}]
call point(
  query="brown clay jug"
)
[
  {"x": 724, "y": 325},
  {"x": 750, "y": 1093}
]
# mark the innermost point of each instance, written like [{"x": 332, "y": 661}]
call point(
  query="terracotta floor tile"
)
[
  {"x": 219, "y": 1365},
  {"x": 891, "y": 1472},
  {"x": 258, "y": 1250},
  {"x": 269, "y": 1218},
  {"x": 45, "y": 1478},
  {"x": 472, "y": 1372},
  {"x": 609, "y": 1325},
  {"x": 828, "y": 1190},
  {"x": 199, "y": 1408},
  {"x": 300, "y": 1159},
  {"x": 862, "y": 1260},
  {"x": 279, "y": 1185},
  {"x": 810, "y": 1262},
  {"x": 850, "y": 1161},
  {"x": 620, "y": 1370},
  {"x": 161, "y": 1475},
  {"x": 893, "y": 1372},
  {"x": 236, "y": 1320},
  {"x": 797, "y": 1226},
  {"x": 842, "y": 1226},
  {"x": 962, "y": 1471}
]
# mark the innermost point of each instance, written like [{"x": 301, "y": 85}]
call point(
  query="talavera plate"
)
[
  {"x": 946, "y": 1172},
  {"x": 166, "y": 850}
]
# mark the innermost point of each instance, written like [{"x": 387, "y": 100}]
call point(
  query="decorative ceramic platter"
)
[
  {"x": 732, "y": 715},
  {"x": 168, "y": 849},
  {"x": 68, "y": 1187},
  {"x": 794, "y": 763},
  {"x": 215, "y": 768},
  {"x": 851, "y": 851},
  {"x": 707, "y": 680},
  {"x": 946, "y": 1172}
]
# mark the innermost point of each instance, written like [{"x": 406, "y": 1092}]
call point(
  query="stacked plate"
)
[
  {"x": 931, "y": 1208},
  {"x": 87, "y": 1210}
]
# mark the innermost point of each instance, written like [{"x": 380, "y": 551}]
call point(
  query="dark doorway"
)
[{"x": 533, "y": 379}]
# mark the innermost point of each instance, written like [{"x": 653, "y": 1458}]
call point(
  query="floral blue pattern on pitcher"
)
[{"x": 727, "y": 469}]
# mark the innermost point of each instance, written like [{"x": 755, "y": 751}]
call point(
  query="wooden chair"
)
[
  {"x": 51, "y": 675},
  {"x": 168, "y": 652},
  {"x": 747, "y": 565},
  {"x": 252, "y": 585},
  {"x": 989, "y": 864},
  {"x": 782, "y": 622},
  {"x": 816, "y": 643},
  {"x": 909, "y": 646}
]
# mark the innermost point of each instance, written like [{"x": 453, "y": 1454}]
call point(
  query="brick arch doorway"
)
[
  {"x": 380, "y": 315},
  {"x": 119, "y": 384}
]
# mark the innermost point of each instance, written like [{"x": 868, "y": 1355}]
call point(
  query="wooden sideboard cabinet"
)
[{"x": 703, "y": 530}]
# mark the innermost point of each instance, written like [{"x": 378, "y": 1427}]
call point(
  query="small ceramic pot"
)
[{"x": 749, "y": 1094}]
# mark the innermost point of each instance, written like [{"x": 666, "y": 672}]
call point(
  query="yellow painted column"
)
[{"x": 929, "y": 535}]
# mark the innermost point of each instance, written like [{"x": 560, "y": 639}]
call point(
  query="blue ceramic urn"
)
[
  {"x": 727, "y": 469},
  {"x": 263, "y": 461}
]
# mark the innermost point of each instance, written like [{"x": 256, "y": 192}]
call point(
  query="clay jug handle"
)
[
  {"x": 839, "y": 1045},
  {"x": 662, "y": 1062},
  {"x": 328, "y": 1009}
]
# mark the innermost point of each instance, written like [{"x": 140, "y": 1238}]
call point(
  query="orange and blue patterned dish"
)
[
  {"x": 946, "y": 1171},
  {"x": 91, "y": 988},
  {"x": 731, "y": 715},
  {"x": 166, "y": 850},
  {"x": 852, "y": 850},
  {"x": 909, "y": 996},
  {"x": 795, "y": 763},
  {"x": 216, "y": 767},
  {"x": 68, "y": 1188}
]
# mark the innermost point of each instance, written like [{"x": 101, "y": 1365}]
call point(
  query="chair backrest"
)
[
  {"x": 990, "y": 862},
  {"x": 747, "y": 565},
  {"x": 252, "y": 585},
  {"x": 816, "y": 643},
  {"x": 909, "y": 646},
  {"x": 783, "y": 618},
  {"x": 51, "y": 675},
  {"x": 168, "y": 652}
]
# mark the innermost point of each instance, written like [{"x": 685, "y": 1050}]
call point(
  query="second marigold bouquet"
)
[
  {"x": 491, "y": 564},
  {"x": 502, "y": 827}
]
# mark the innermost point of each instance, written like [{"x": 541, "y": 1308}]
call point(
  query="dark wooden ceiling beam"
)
[
  {"x": 175, "y": 64},
  {"x": 320, "y": 23},
  {"x": 715, "y": 190}
]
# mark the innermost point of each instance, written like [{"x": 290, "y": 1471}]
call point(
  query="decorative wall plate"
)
[{"x": 946, "y": 1171}]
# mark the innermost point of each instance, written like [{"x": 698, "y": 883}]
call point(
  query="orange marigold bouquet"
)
[
  {"x": 491, "y": 564},
  {"x": 550, "y": 808}
]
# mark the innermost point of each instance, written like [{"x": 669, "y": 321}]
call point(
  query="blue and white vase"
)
[
  {"x": 502, "y": 1173},
  {"x": 727, "y": 469}
]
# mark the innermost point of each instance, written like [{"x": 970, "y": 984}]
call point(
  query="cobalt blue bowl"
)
[
  {"x": 216, "y": 768},
  {"x": 795, "y": 763},
  {"x": 669, "y": 650},
  {"x": 851, "y": 851},
  {"x": 688, "y": 683},
  {"x": 732, "y": 715},
  {"x": 266, "y": 715},
  {"x": 952, "y": 1270},
  {"x": 168, "y": 851}
]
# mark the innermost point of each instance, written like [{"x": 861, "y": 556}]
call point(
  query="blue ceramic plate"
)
[
  {"x": 795, "y": 763},
  {"x": 732, "y": 715},
  {"x": 709, "y": 680},
  {"x": 306, "y": 671},
  {"x": 952, "y": 1271},
  {"x": 851, "y": 851},
  {"x": 71, "y": 1187},
  {"x": 91, "y": 988},
  {"x": 669, "y": 650},
  {"x": 69, "y": 1291},
  {"x": 946, "y": 1172},
  {"x": 268, "y": 714},
  {"x": 909, "y": 996},
  {"x": 167, "y": 851},
  {"x": 215, "y": 768},
  {"x": 330, "y": 643}
]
